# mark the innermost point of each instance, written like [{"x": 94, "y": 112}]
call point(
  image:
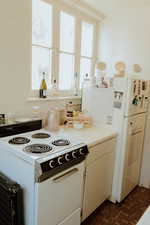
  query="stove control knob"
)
[
  {"x": 81, "y": 151},
  {"x": 52, "y": 164},
  {"x": 67, "y": 157},
  {"x": 60, "y": 160},
  {"x": 74, "y": 154}
]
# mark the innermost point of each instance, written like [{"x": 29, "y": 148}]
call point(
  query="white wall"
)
[
  {"x": 15, "y": 58},
  {"x": 15, "y": 32},
  {"x": 126, "y": 37}
]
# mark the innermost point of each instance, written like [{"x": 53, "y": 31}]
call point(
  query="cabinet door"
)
[
  {"x": 133, "y": 163},
  {"x": 73, "y": 219},
  {"x": 98, "y": 183}
]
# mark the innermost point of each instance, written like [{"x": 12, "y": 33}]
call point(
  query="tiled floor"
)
[{"x": 126, "y": 213}]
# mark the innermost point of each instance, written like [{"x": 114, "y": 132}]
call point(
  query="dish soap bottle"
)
[
  {"x": 43, "y": 87},
  {"x": 54, "y": 90},
  {"x": 86, "y": 82}
]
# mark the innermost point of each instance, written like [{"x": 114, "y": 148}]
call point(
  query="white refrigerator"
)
[{"x": 126, "y": 103}]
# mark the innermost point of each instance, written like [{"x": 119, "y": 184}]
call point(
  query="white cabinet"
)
[
  {"x": 133, "y": 156},
  {"x": 73, "y": 219},
  {"x": 99, "y": 175}
]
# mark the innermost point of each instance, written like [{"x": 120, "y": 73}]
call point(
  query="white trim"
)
[
  {"x": 56, "y": 42},
  {"x": 95, "y": 47},
  {"x": 78, "y": 46},
  {"x": 42, "y": 46},
  {"x": 83, "y": 7},
  {"x": 86, "y": 57},
  {"x": 53, "y": 98},
  {"x": 68, "y": 53}
]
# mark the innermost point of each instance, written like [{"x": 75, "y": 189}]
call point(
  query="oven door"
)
[{"x": 59, "y": 197}]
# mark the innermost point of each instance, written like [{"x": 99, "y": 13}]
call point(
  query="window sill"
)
[{"x": 52, "y": 98}]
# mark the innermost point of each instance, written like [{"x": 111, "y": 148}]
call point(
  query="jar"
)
[{"x": 53, "y": 120}]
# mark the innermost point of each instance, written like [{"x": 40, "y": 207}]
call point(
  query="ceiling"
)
[{"x": 107, "y": 6}]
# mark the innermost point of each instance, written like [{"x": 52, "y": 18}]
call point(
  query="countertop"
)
[
  {"x": 145, "y": 220},
  {"x": 91, "y": 136}
]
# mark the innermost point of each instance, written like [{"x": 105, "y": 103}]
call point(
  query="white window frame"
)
[{"x": 59, "y": 6}]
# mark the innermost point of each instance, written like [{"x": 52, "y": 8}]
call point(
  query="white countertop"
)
[
  {"x": 91, "y": 136},
  {"x": 145, "y": 220}
]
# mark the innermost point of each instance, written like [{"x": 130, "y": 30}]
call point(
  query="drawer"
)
[
  {"x": 100, "y": 150},
  {"x": 137, "y": 122}
]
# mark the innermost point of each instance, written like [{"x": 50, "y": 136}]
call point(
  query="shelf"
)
[{"x": 52, "y": 98}]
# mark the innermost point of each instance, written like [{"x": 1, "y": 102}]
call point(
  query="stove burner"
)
[
  {"x": 38, "y": 148},
  {"x": 61, "y": 142},
  {"x": 19, "y": 141},
  {"x": 41, "y": 135}
]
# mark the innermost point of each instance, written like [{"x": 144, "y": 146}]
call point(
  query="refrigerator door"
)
[
  {"x": 137, "y": 97},
  {"x": 98, "y": 103}
]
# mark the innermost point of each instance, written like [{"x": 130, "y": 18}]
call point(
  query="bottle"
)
[
  {"x": 43, "y": 88},
  {"x": 70, "y": 109},
  {"x": 54, "y": 90},
  {"x": 86, "y": 82}
]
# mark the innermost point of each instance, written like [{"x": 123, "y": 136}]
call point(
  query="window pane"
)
[
  {"x": 41, "y": 23},
  {"x": 85, "y": 67},
  {"x": 87, "y": 39},
  {"x": 66, "y": 74},
  {"x": 41, "y": 62},
  {"x": 67, "y": 32}
]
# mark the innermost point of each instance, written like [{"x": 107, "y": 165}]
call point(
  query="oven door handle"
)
[{"x": 65, "y": 175}]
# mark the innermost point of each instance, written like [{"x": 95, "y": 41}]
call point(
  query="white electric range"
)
[{"x": 50, "y": 169}]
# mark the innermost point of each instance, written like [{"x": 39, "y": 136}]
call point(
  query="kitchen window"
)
[
  {"x": 64, "y": 43},
  {"x": 67, "y": 51},
  {"x": 41, "y": 42}
]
